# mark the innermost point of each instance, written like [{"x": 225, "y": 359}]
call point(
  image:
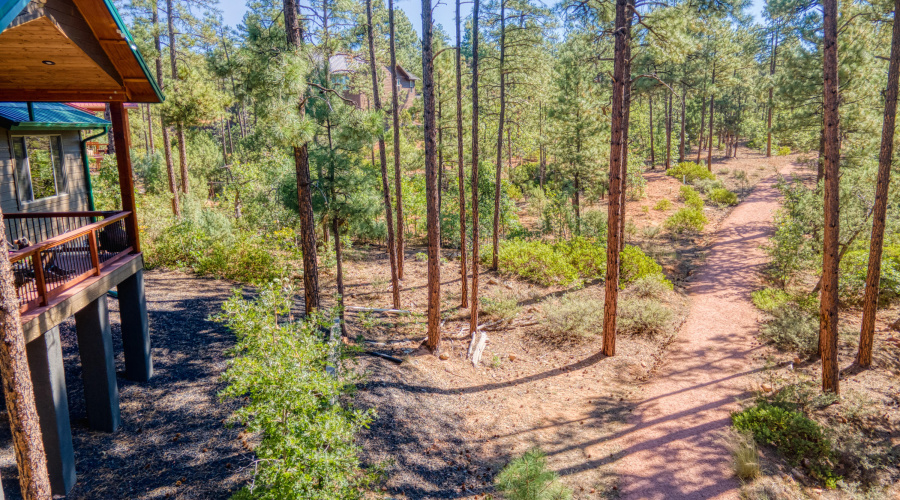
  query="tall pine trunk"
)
[
  {"x": 179, "y": 130},
  {"x": 712, "y": 109},
  {"x": 167, "y": 143},
  {"x": 473, "y": 315},
  {"x": 463, "y": 270},
  {"x": 681, "y": 139},
  {"x": 771, "y": 103},
  {"x": 18, "y": 389},
  {"x": 652, "y": 146},
  {"x": 304, "y": 184},
  {"x": 433, "y": 220},
  {"x": 828, "y": 312},
  {"x": 376, "y": 101},
  {"x": 668, "y": 132},
  {"x": 885, "y": 157},
  {"x": 700, "y": 141},
  {"x": 615, "y": 180},
  {"x": 495, "y": 255},
  {"x": 395, "y": 115}
]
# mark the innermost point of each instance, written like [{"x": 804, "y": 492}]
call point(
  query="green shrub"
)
[
  {"x": 654, "y": 286},
  {"x": 783, "y": 151},
  {"x": 588, "y": 259},
  {"x": 794, "y": 435},
  {"x": 662, "y": 205},
  {"x": 690, "y": 197},
  {"x": 594, "y": 225},
  {"x": 690, "y": 172},
  {"x": 854, "y": 267},
  {"x": 499, "y": 307},
  {"x": 793, "y": 329},
  {"x": 635, "y": 264},
  {"x": 639, "y": 316},
  {"x": 573, "y": 318},
  {"x": 722, "y": 197},
  {"x": 707, "y": 185},
  {"x": 535, "y": 261},
  {"x": 527, "y": 478},
  {"x": 279, "y": 373},
  {"x": 690, "y": 220},
  {"x": 769, "y": 299}
]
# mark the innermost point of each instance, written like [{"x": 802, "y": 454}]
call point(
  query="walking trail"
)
[{"x": 673, "y": 448}]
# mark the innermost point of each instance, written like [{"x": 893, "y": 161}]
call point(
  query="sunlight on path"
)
[{"x": 672, "y": 447}]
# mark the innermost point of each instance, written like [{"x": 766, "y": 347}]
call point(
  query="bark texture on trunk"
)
[
  {"x": 495, "y": 254},
  {"x": 433, "y": 219},
  {"x": 681, "y": 139},
  {"x": 771, "y": 94},
  {"x": 828, "y": 312},
  {"x": 669, "y": 133},
  {"x": 395, "y": 115},
  {"x": 885, "y": 157},
  {"x": 652, "y": 146},
  {"x": 473, "y": 303},
  {"x": 18, "y": 389},
  {"x": 463, "y": 269},
  {"x": 712, "y": 108},
  {"x": 700, "y": 141},
  {"x": 615, "y": 180},
  {"x": 167, "y": 142},
  {"x": 382, "y": 155},
  {"x": 179, "y": 130}
]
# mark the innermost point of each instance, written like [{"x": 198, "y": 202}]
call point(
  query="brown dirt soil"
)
[{"x": 173, "y": 442}]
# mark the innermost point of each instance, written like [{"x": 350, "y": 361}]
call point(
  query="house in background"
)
[
  {"x": 69, "y": 255},
  {"x": 345, "y": 68}
]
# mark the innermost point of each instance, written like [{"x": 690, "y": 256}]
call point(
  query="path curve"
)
[{"x": 673, "y": 448}]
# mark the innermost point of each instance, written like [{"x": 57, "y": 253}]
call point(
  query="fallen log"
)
[
  {"x": 375, "y": 309},
  {"x": 385, "y": 356}
]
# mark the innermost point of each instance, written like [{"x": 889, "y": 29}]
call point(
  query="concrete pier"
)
[
  {"x": 48, "y": 376},
  {"x": 98, "y": 367},
  {"x": 135, "y": 328}
]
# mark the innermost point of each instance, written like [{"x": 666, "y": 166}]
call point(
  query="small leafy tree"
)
[
  {"x": 527, "y": 478},
  {"x": 307, "y": 434}
]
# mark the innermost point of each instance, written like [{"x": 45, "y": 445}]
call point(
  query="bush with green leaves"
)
[
  {"x": 769, "y": 299},
  {"x": 279, "y": 371},
  {"x": 707, "y": 185},
  {"x": 573, "y": 318},
  {"x": 588, "y": 258},
  {"x": 722, "y": 197},
  {"x": 635, "y": 264},
  {"x": 535, "y": 261},
  {"x": 643, "y": 316},
  {"x": 594, "y": 225},
  {"x": 783, "y": 151},
  {"x": 792, "y": 328},
  {"x": 800, "y": 439},
  {"x": 662, "y": 205},
  {"x": 686, "y": 220},
  {"x": 499, "y": 307},
  {"x": 690, "y": 197},
  {"x": 854, "y": 268},
  {"x": 527, "y": 478},
  {"x": 690, "y": 172},
  {"x": 653, "y": 286}
]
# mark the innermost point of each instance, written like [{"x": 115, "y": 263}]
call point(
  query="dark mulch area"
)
[{"x": 173, "y": 442}]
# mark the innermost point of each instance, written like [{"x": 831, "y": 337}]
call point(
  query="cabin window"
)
[{"x": 39, "y": 165}]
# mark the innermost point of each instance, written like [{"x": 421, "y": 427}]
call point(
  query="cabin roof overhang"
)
[
  {"x": 70, "y": 50},
  {"x": 47, "y": 116}
]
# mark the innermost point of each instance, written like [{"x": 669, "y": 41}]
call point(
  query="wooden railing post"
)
[
  {"x": 119, "y": 118},
  {"x": 95, "y": 254},
  {"x": 39, "y": 282}
]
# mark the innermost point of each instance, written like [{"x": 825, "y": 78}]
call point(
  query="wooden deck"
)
[{"x": 72, "y": 258}]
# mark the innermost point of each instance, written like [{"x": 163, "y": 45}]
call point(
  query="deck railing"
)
[{"x": 46, "y": 269}]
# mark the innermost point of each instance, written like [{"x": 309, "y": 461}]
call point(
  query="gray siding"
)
[{"x": 76, "y": 197}]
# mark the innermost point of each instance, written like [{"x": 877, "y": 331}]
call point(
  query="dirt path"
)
[{"x": 673, "y": 447}]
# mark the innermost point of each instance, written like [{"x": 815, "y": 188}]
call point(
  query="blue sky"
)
[{"x": 444, "y": 13}]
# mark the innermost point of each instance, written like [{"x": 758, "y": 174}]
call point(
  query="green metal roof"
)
[
  {"x": 47, "y": 116},
  {"x": 9, "y": 9}
]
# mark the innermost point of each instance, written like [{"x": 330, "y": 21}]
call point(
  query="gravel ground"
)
[{"x": 172, "y": 443}]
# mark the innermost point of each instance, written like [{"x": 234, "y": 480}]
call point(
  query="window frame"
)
[{"x": 23, "y": 169}]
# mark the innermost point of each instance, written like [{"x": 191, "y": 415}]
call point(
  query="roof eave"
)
[{"x": 120, "y": 23}]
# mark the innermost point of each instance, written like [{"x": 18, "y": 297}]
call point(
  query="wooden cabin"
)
[
  {"x": 68, "y": 256},
  {"x": 342, "y": 67}
]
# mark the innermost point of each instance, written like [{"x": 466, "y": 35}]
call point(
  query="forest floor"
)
[{"x": 444, "y": 427}]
